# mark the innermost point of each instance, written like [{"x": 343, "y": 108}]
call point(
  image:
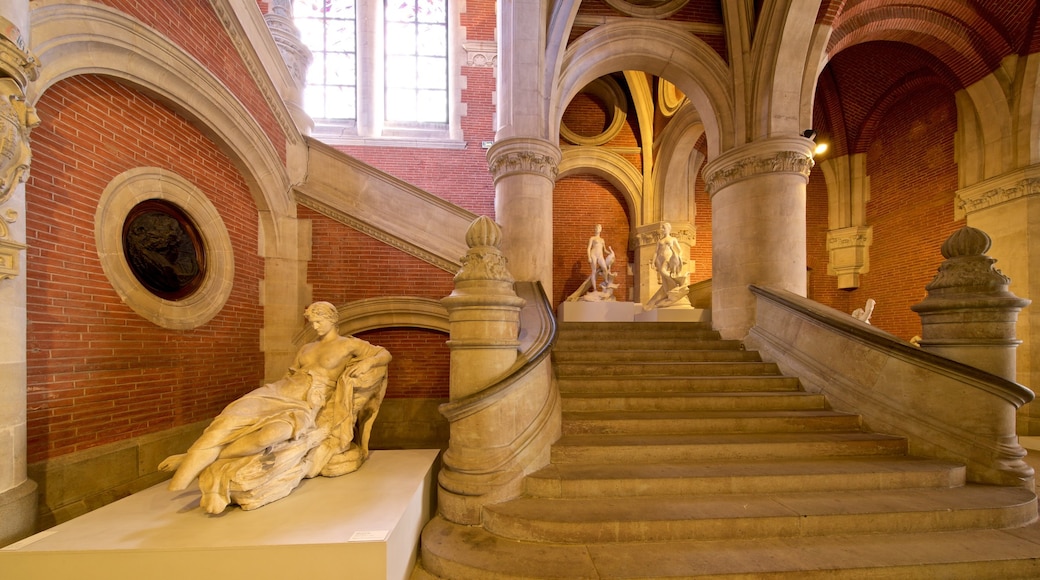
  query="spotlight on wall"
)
[{"x": 821, "y": 147}]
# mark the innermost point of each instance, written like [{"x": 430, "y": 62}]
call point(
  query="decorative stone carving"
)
[
  {"x": 15, "y": 59},
  {"x": 969, "y": 314},
  {"x": 481, "y": 54},
  {"x": 776, "y": 162},
  {"x": 849, "y": 256},
  {"x": 297, "y": 56},
  {"x": 316, "y": 420},
  {"x": 531, "y": 156},
  {"x": 979, "y": 198},
  {"x": 17, "y": 119}
]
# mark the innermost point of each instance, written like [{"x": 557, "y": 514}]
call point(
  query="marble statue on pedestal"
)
[
  {"x": 316, "y": 420},
  {"x": 668, "y": 261},
  {"x": 601, "y": 258}
]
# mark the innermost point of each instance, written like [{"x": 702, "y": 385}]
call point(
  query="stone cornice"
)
[
  {"x": 524, "y": 156},
  {"x": 993, "y": 192},
  {"x": 851, "y": 237},
  {"x": 481, "y": 54},
  {"x": 781, "y": 155}
]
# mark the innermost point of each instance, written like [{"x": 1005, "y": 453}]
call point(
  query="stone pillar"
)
[
  {"x": 17, "y": 118},
  {"x": 484, "y": 321},
  {"x": 969, "y": 315},
  {"x": 758, "y": 226},
  {"x": 524, "y": 170}
]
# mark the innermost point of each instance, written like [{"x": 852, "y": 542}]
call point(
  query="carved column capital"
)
[
  {"x": 524, "y": 156},
  {"x": 791, "y": 155}
]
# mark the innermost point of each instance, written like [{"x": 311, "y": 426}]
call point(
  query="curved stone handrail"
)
[
  {"x": 944, "y": 408},
  {"x": 538, "y": 331}
]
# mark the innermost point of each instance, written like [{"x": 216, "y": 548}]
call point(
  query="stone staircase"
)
[{"x": 685, "y": 456}]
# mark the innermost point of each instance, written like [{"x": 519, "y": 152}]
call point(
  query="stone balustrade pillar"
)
[
  {"x": 969, "y": 314},
  {"x": 18, "y": 494}
]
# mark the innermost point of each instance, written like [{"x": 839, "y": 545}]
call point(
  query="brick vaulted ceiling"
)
[{"x": 881, "y": 51}]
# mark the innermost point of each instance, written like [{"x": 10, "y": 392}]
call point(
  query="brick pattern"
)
[
  {"x": 701, "y": 251},
  {"x": 913, "y": 176},
  {"x": 822, "y": 287},
  {"x": 193, "y": 25},
  {"x": 98, "y": 372},
  {"x": 347, "y": 265}
]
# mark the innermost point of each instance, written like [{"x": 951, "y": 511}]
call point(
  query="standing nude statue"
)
[
  {"x": 597, "y": 257},
  {"x": 317, "y": 419}
]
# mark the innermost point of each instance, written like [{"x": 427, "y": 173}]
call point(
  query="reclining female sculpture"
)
[{"x": 317, "y": 419}]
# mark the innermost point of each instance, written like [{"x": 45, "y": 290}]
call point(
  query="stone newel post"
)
[
  {"x": 969, "y": 315},
  {"x": 480, "y": 464}
]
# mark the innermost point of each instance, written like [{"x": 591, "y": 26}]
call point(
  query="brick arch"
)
[
  {"x": 953, "y": 32},
  {"x": 912, "y": 83}
]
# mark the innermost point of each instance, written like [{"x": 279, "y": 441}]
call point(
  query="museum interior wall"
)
[{"x": 110, "y": 393}]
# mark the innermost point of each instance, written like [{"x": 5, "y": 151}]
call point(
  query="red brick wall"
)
[
  {"x": 192, "y": 25},
  {"x": 701, "y": 251},
  {"x": 347, "y": 265},
  {"x": 98, "y": 372},
  {"x": 913, "y": 178},
  {"x": 823, "y": 287}
]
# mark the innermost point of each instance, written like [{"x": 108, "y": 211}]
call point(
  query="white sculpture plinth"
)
[
  {"x": 362, "y": 525},
  {"x": 604, "y": 311}
]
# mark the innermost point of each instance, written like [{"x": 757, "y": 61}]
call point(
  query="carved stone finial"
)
[
  {"x": 967, "y": 267},
  {"x": 966, "y": 241},
  {"x": 483, "y": 232},
  {"x": 483, "y": 260}
]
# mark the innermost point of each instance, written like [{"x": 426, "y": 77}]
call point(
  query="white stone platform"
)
[
  {"x": 610, "y": 311},
  {"x": 363, "y": 525}
]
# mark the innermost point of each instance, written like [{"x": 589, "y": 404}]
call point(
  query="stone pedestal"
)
[
  {"x": 758, "y": 226},
  {"x": 969, "y": 314}
]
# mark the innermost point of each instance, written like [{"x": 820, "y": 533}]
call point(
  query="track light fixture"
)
[{"x": 811, "y": 135}]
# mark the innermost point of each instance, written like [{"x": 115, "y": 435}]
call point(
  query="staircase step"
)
[
  {"x": 599, "y": 356},
  {"x": 597, "y": 329},
  {"x": 663, "y": 422},
  {"x": 622, "y": 342},
  {"x": 751, "y": 401},
  {"x": 666, "y": 369},
  {"x": 714, "y": 446},
  {"x": 727, "y": 477},
  {"x": 740, "y": 516},
  {"x": 672, "y": 384},
  {"x": 974, "y": 554}
]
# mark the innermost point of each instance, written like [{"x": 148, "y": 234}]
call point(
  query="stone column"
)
[
  {"x": 484, "y": 320},
  {"x": 297, "y": 57},
  {"x": 969, "y": 315},
  {"x": 758, "y": 226},
  {"x": 17, "y": 118},
  {"x": 524, "y": 170}
]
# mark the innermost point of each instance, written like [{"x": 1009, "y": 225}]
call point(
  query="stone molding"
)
[
  {"x": 17, "y": 119},
  {"x": 141, "y": 184},
  {"x": 524, "y": 156},
  {"x": 781, "y": 155},
  {"x": 849, "y": 255},
  {"x": 650, "y": 234},
  {"x": 613, "y": 98},
  {"x": 657, "y": 10},
  {"x": 228, "y": 18},
  {"x": 480, "y": 53},
  {"x": 15, "y": 59},
  {"x": 994, "y": 192}
]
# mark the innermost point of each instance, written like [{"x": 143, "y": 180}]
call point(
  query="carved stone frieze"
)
[
  {"x": 481, "y": 53},
  {"x": 525, "y": 156},
  {"x": 849, "y": 256},
  {"x": 976, "y": 199},
  {"x": 650, "y": 234},
  {"x": 775, "y": 162}
]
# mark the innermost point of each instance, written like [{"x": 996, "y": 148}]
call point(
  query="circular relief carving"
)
[
  {"x": 647, "y": 8},
  {"x": 608, "y": 92},
  {"x": 164, "y": 248}
]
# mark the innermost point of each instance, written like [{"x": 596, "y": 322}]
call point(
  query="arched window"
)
[{"x": 381, "y": 69}]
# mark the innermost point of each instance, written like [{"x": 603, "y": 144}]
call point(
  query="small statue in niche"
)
[
  {"x": 316, "y": 420},
  {"x": 600, "y": 263},
  {"x": 864, "y": 314},
  {"x": 668, "y": 262}
]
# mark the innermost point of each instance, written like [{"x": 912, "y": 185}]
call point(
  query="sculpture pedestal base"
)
[
  {"x": 361, "y": 525},
  {"x": 606, "y": 311}
]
